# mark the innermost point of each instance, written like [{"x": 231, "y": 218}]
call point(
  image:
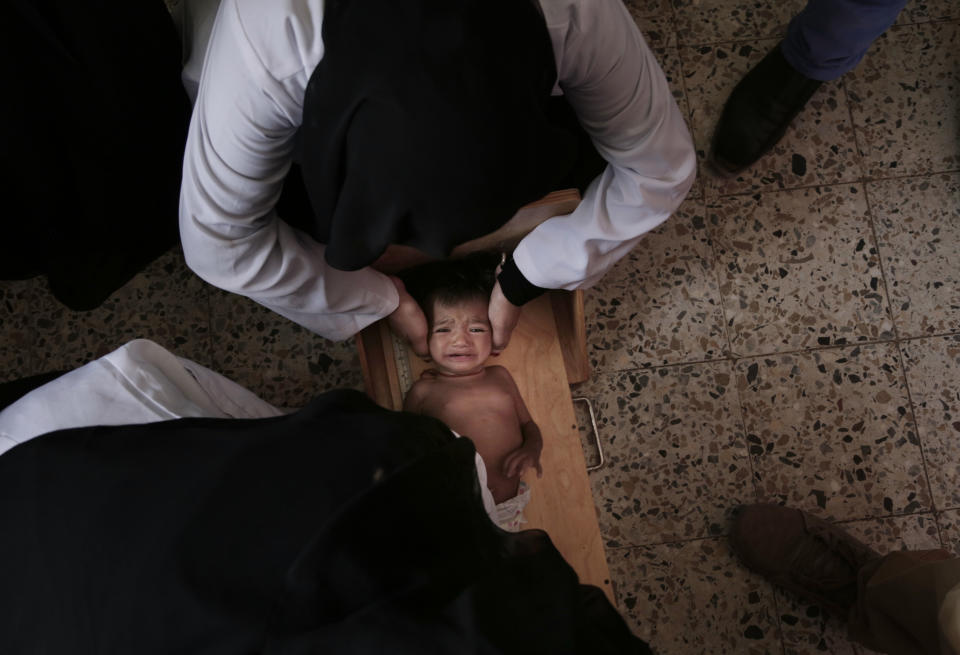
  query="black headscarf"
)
[{"x": 427, "y": 123}]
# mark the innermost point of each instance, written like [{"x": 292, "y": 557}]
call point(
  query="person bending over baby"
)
[{"x": 475, "y": 400}]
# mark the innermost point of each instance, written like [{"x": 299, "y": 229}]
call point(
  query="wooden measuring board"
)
[{"x": 561, "y": 502}]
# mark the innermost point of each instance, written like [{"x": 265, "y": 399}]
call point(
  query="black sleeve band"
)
[{"x": 517, "y": 289}]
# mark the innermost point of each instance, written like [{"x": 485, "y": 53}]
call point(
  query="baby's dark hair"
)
[{"x": 452, "y": 281}]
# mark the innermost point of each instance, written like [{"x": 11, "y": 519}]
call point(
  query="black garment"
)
[
  {"x": 342, "y": 528},
  {"x": 94, "y": 123},
  {"x": 429, "y": 123}
]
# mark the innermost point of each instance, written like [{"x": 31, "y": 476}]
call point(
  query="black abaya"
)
[
  {"x": 342, "y": 528},
  {"x": 94, "y": 125}
]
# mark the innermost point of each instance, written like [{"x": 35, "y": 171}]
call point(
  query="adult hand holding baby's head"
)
[
  {"x": 408, "y": 320},
  {"x": 504, "y": 316}
]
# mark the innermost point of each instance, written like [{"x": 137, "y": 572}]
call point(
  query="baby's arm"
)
[
  {"x": 528, "y": 454},
  {"x": 414, "y": 401}
]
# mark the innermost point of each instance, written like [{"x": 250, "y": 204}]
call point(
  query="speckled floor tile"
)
[
  {"x": 165, "y": 302},
  {"x": 913, "y": 532},
  {"x": 701, "y": 22},
  {"x": 949, "y": 522},
  {"x": 648, "y": 7},
  {"x": 922, "y": 11},
  {"x": 806, "y": 628},
  {"x": 694, "y": 597},
  {"x": 278, "y": 384},
  {"x": 275, "y": 358},
  {"x": 818, "y": 147},
  {"x": 670, "y": 63},
  {"x": 658, "y": 29},
  {"x": 932, "y": 368},
  {"x": 903, "y": 99},
  {"x": 798, "y": 269},
  {"x": 918, "y": 233},
  {"x": 660, "y": 304},
  {"x": 19, "y": 312},
  {"x": 831, "y": 432},
  {"x": 676, "y": 458}
]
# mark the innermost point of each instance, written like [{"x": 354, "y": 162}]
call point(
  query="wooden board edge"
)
[
  {"x": 378, "y": 366},
  {"x": 569, "y": 315}
]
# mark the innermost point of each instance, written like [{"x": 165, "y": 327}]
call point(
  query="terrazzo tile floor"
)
[{"x": 792, "y": 334}]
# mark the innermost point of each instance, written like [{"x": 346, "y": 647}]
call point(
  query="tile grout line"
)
[
  {"x": 741, "y": 413},
  {"x": 876, "y": 242},
  {"x": 934, "y": 335},
  {"x": 686, "y": 95},
  {"x": 899, "y": 344},
  {"x": 735, "y": 358},
  {"x": 754, "y": 482},
  {"x": 725, "y": 536},
  {"x": 865, "y": 179},
  {"x": 716, "y": 274},
  {"x": 746, "y": 40},
  {"x": 804, "y": 351},
  {"x": 908, "y": 176},
  {"x": 916, "y": 428},
  {"x": 936, "y": 522}
]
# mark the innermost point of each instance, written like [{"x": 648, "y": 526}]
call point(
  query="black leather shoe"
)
[{"x": 758, "y": 112}]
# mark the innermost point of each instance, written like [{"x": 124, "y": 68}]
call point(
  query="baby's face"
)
[{"x": 460, "y": 337}]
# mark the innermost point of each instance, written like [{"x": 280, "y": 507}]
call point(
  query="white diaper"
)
[{"x": 509, "y": 514}]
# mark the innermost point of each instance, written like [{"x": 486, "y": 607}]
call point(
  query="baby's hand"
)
[{"x": 520, "y": 460}]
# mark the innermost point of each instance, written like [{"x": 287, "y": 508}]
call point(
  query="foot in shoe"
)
[
  {"x": 758, "y": 112},
  {"x": 801, "y": 553}
]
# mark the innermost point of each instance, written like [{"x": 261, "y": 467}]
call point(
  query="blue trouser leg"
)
[{"x": 830, "y": 37}]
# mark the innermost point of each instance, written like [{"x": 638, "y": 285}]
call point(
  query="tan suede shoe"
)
[{"x": 801, "y": 553}]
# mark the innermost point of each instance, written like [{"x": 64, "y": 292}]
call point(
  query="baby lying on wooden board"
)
[{"x": 476, "y": 401}]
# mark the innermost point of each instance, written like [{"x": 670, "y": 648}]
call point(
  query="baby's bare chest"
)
[{"x": 466, "y": 408}]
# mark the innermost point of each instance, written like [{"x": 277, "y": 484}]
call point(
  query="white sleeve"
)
[
  {"x": 140, "y": 382},
  {"x": 621, "y": 97},
  {"x": 949, "y": 617},
  {"x": 239, "y": 149}
]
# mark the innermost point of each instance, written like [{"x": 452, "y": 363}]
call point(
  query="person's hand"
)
[
  {"x": 408, "y": 320},
  {"x": 520, "y": 460},
  {"x": 504, "y": 316}
]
